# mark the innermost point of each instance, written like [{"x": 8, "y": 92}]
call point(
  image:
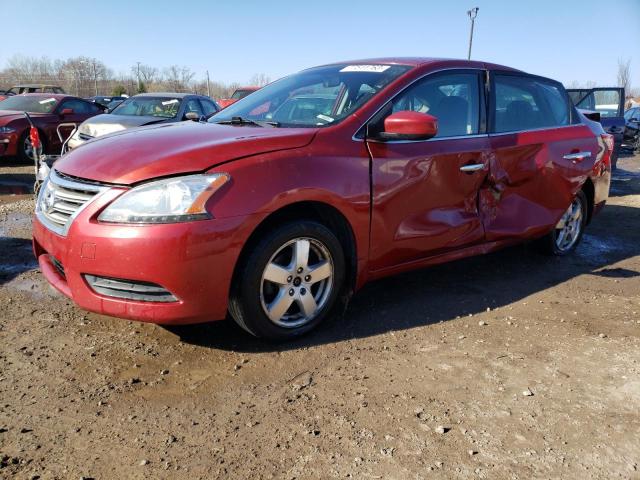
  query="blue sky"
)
[{"x": 563, "y": 39}]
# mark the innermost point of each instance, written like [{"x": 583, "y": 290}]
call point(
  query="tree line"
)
[{"x": 85, "y": 77}]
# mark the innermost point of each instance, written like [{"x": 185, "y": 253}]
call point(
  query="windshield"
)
[
  {"x": 37, "y": 104},
  {"x": 316, "y": 97},
  {"x": 165, "y": 107}
]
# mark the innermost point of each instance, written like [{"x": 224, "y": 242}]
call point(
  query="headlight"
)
[
  {"x": 7, "y": 130},
  {"x": 179, "y": 199}
]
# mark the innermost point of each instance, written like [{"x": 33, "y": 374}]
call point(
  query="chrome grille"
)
[
  {"x": 61, "y": 199},
  {"x": 129, "y": 289}
]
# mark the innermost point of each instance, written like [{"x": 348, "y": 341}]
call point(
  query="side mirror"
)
[
  {"x": 194, "y": 116},
  {"x": 66, "y": 111},
  {"x": 409, "y": 125}
]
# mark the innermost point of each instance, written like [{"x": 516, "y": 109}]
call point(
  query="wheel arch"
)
[
  {"x": 323, "y": 213},
  {"x": 589, "y": 190}
]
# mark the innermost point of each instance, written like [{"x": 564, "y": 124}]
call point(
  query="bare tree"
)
[
  {"x": 260, "y": 79},
  {"x": 624, "y": 73}
]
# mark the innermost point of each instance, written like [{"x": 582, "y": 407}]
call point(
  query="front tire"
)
[
  {"x": 289, "y": 282},
  {"x": 25, "y": 149},
  {"x": 567, "y": 233}
]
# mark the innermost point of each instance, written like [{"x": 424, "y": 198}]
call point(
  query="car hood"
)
[
  {"x": 171, "y": 149},
  {"x": 109, "y": 123}
]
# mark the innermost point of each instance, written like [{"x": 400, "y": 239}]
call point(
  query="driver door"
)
[{"x": 425, "y": 193}]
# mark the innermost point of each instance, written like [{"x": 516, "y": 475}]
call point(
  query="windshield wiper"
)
[{"x": 248, "y": 121}]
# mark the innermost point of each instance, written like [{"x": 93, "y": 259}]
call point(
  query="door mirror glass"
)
[{"x": 409, "y": 125}]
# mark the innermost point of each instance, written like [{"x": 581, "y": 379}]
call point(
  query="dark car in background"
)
[
  {"x": 145, "y": 109},
  {"x": 631, "y": 137},
  {"x": 106, "y": 100},
  {"x": 609, "y": 103},
  {"x": 47, "y": 111}
]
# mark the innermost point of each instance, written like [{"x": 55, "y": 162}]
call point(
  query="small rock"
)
[
  {"x": 527, "y": 393},
  {"x": 164, "y": 372},
  {"x": 143, "y": 463},
  {"x": 461, "y": 337},
  {"x": 301, "y": 381},
  {"x": 387, "y": 451},
  {"x": 440, "y": 429},
  {"x": 482, "y": 323},
  {"x": 472, "y": 452},
  {"x": 602, "y": 335},
  {"x": 134, "y": 380},
  {"x": 171, "y": 439}
]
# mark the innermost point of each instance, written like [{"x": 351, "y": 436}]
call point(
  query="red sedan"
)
[
  {"x": 47, "y": 111},
  {"x": 288, "y": 201},
  {"x": 238, "y": 94}
]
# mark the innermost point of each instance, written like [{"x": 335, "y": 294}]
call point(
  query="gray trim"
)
[
  {"x": 497, "y": 134},
  {"x": 434, "y": 139}
]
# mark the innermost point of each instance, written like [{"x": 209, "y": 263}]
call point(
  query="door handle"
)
[
  {"x": 577, "y": 157},
  {"x": 474, "y": 167}
]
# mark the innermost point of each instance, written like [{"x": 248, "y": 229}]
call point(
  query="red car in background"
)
[
  {"x": 47, "y": 111},
  {"x": 238, "y": 94},
  {"x": 288, "y": 201}
]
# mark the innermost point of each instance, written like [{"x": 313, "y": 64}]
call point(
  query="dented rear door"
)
[{"x": 541, "y": 156}]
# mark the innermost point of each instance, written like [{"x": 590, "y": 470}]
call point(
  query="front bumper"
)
[
  {"x": 8, "y": 142},
  {"x": 192, "y": 260}
]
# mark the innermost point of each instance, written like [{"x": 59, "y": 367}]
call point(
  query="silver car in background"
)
[{"x": 145, "y": 109}]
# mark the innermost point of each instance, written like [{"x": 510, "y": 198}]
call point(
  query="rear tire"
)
[
  {"x": 289, "y": 282},
  {"x": 567, "y": 234}
]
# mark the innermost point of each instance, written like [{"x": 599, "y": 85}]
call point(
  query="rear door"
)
[
  {"x": 542, "y": 156},
  {"x": 423, "y": 203}
]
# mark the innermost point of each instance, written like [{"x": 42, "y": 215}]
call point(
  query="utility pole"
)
[
  {"x": 473, "y": 13},
  {"x": 208, "y": 86},
  {"x": 138, "y": 76},
  {"x": 95, "y": 77}
]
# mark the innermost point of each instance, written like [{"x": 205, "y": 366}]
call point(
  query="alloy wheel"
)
[
  {"x": 569, "y": 228},
  {"x": 297, "y": 282},
  {"x": 28, "y": 148}
]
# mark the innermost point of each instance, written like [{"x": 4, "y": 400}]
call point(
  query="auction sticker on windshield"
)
[
  {"x": 48, "y": 100},
  {"x": 365, "y": 68},
  {"x": 169, "y": 102}
]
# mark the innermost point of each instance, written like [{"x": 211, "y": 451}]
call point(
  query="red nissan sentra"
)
[{"x": 289, "y": 200}]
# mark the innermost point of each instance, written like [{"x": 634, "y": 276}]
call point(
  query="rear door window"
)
[{"x": 527, "y": 103}]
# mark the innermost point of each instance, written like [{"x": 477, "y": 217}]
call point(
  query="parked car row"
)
[{"x": 280, "y": 206}]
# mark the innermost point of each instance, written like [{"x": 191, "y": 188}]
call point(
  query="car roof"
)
[
  {"x": 57, "y": 96},
  {"x": 423, "y": 61},
  {"x": 35, "y": 85}
]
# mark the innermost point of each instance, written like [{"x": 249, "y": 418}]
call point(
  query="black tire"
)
[
  {"x": 22, "y": 154},
  {"x": 549, "y": 245},
  {"x": 636, "y": 144},
  {"x": 247, "y": 303}
]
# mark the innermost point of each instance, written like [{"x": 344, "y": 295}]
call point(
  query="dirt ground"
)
[{"x": 511, "y": 365}]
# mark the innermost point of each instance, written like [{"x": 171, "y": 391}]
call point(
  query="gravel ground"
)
[{"x": 511, "y": 365}]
